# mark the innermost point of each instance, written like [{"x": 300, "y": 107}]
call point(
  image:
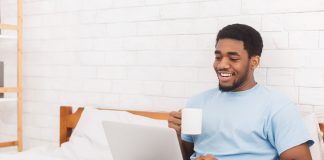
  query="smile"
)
[
  {"x": 225, "y": 77},
  {"x": 226, "y": 74}
]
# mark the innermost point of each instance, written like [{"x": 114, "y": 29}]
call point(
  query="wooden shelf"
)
[
  {"x": 9, "y": 26},
  {"x": 8, "y": 89},
  {"x": 8, "y": 144}
]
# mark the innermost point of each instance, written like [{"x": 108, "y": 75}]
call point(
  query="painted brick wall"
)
[{"x": 155, "y": 54}]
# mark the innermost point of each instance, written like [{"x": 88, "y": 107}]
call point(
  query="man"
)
[{"x": 243, "y": 120}]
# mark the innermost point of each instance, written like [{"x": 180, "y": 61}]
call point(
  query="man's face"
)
[{"x": 233, "y": 66}]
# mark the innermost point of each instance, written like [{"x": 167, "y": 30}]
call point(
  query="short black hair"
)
[{"x": 251, "y": 38}]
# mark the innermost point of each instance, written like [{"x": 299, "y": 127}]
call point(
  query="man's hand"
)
[
  {"x": 174, "y": 121},
  {"x": 207, "y": 157}
]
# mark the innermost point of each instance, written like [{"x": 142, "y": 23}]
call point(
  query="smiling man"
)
[{"x": 243, "y": 120}]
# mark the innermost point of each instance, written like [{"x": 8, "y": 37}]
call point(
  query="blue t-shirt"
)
[{"x": 256, "y": 124}]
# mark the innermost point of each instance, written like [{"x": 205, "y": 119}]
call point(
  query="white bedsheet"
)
[
  {"x": 88, "y": 141},
  {"x": 68, "y": 151},
  {"x": 39, "y": 153},
  {"x": 79, "y": 149}
]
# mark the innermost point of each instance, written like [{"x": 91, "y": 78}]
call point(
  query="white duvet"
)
[
  {"x": 39, "y": 153},
  {"x": 79, "y": 149},
  {"x": 88, "y": 141}
]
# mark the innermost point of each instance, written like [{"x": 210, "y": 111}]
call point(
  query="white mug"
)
[{"x": 191, "y": 121}]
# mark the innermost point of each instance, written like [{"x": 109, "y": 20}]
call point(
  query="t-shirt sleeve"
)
[
  {"x": 286, "y": 129},
  {"x": 187, "y": 138}
]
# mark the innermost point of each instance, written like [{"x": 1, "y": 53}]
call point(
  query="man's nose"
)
[{"x": 223, "y": 64}]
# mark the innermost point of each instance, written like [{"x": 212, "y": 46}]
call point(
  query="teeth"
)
[{"x": 225, "y": 74}]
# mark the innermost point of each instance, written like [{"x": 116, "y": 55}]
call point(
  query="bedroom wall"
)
[{"x": 155, "y": 54}]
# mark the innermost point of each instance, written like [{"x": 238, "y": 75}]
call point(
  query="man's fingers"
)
[
  {"x": 175, "y": 114},
  {"x": 174, "y": 120},
  {"x": 210, "y": 157},
  {"x": 207, "y": 157},
  {"x": 200, "y": 158},
  {"x": 176, "y": 127},
  {"x": 174, "y": 117}
]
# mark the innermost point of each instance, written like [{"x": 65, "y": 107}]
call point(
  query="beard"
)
[{"x": 236, "y": 84}]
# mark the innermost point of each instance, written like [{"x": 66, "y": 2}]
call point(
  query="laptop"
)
[{"x": 141, "y": 142}]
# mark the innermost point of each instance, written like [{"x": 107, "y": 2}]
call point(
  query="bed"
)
[
  {"x": 69, "y": 120},
  {"x": 83, "y": 138},
  {"x": 87, "y": 141}
]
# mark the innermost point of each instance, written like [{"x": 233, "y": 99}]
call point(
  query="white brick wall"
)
[
  {"x": 284, "y": 58},
  {"x": 321, "y": 44},
  {"x": 174, "y": 89},
  {"x": 296, "y": 39},
  {"x": 275, "y": 40},
  {"x": 207, "y": 8},
  {"x": 153, "y": 54},
  {"x": 287, "y": 6},
  {"x": 280, "y": 77},
  {"x": 312, "y": 96},
  {"x": 310, "y": 77}
]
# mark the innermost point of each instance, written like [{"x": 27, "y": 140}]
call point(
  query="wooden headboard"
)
[
  {"x": 321, "y": 125},
  {"x": 69, "y": 120}
]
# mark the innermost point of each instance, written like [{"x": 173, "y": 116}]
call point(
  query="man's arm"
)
[
  {"x": 174, "y": 121},
  {"x": 300, "y": 152},
  {"x": 186, "y": 148}
]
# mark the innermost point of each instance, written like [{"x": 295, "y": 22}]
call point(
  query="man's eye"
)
[
  {"x": 218, "y": 58},
  {"x": 234, "y": 59}
]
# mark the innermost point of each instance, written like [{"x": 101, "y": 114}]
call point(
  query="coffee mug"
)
[{"x": 191, "y": 121}]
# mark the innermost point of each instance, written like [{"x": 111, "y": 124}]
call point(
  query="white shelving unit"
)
[
  {"x": 18, "y": 88},
  {"x": 8, "y": 99},
  {"x": 4, "y": 37}
]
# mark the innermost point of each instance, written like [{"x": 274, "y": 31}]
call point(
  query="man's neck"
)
[{"x": 245, "y": 86}]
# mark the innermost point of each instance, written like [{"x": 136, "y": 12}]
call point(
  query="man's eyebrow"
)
[{"x": 233, "y": 53}]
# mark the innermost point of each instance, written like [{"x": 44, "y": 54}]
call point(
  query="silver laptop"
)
[{"x": 141, "y": 142}]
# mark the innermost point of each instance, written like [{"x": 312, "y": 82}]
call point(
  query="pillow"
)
[
  {"x": 312, "y": 127},
  {"x": 88, "y": 140}
]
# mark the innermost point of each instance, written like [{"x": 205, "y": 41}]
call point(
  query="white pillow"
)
[
  {"x": 88, "y": 140},
  {"x": 312, "y": 127}
]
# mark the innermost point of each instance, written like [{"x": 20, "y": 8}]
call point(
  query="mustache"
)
[{"x": 223, "y": 70}]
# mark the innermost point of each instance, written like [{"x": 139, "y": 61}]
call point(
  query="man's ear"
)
[{"x": 255, "y": 61}]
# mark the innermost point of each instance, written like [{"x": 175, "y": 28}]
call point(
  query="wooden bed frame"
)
[{"x": 69, "y": 120}]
